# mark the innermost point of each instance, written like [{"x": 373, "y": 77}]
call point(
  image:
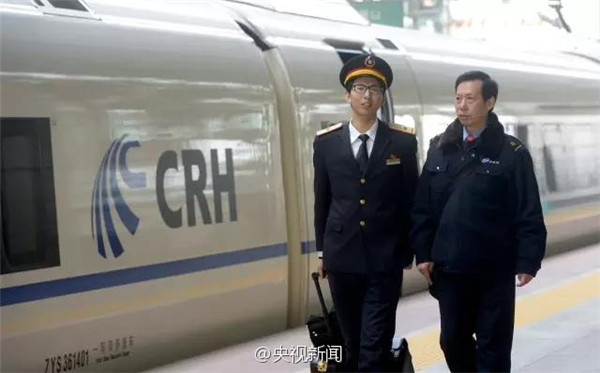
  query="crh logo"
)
[
  {"x": 106, "y": 193},
  {"x": 213, "y": 175}
]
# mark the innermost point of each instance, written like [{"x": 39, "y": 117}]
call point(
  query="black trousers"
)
[
  {"x": 483, "y": 305},
  {"x": 365, "y": 305}
]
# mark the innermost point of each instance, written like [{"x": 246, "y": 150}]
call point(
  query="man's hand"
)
[
  {"x": 426, "y": 268},
  {"x": 524, "y": 279},
  {"x": 322, "y": 273}
]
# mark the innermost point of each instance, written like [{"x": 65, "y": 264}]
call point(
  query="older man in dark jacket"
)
[{"x": 477, "y": 222}]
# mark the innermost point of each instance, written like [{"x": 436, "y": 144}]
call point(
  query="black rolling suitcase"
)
[{"x": 324, "y": 332}]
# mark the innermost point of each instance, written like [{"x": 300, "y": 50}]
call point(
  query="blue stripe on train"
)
[
  {"x": 79, "y": 284},
  {"x": 308, "y": 247}
]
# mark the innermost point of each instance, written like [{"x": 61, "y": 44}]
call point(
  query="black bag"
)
[
  {"x": 324, "y": 329},
  {"x": 400, "y": 359}
]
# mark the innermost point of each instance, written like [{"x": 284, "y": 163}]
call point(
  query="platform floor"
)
[{"x": 557, "y": 328}]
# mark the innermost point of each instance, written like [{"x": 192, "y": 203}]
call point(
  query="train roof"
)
[
  {"x": 333, "y": 10},
  {"x": 324, "y": 25}
]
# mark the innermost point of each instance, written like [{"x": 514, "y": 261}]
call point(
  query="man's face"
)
[
  {"x": 365, "y": 102},
  {"x": 471, "y": 109}
]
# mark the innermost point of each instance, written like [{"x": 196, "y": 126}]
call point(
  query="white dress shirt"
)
[
  {"x": 356, "y": 142},
  {"x": 475, "y": 135}
]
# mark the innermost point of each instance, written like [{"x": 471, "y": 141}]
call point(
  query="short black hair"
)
[
  {"x": 489, "y": 87},
  {"x": 350, "y": 83}
]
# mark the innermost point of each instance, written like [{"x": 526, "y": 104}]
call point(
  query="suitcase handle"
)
[{"x": 315, "y": 277}]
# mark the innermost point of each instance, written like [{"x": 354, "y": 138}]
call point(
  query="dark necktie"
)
[{"x": 363, "y": 157}]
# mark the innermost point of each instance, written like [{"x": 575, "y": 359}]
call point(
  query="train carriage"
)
[{"x": 156, "y": 164}]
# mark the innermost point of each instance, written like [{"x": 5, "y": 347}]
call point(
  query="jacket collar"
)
[
  {"x": 372, "y": 132},
  {"x": 492, "y": 138},
  {"x": 379, "y": 147},
  {"x": 382, "y": 140}
]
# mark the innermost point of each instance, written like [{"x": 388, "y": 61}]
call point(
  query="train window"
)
[
  {"x": 28, "y": 233},
  {"x": 68, "y": 4},
  {"x": 388, "y": 44},
  {"x": 346, "y": 49},
  {"x": 522, "y": 134},
  {"x": 38, "y": 2}
]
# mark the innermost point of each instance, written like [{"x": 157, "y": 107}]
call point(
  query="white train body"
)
[{"x": 157, "y": 165}]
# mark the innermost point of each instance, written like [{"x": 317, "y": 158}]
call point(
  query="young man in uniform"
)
[
  {"x": 364, "y": 182},
  {"x": 477, "y": 222}
]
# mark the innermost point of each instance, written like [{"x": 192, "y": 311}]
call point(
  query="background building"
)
[{"x": 527, "y": 23}]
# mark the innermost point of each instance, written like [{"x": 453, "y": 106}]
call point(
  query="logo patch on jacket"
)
[
  {"x": 393, "y": 160},
  {"x": 487, "y": 160}
]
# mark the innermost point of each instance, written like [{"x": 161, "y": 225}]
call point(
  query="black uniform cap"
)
[{"x": 366, "y": 65}]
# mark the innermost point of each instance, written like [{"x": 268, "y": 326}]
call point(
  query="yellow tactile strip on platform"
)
[
  {"x": 425, "y": 347},
  {"x": 568, "y": 214}
]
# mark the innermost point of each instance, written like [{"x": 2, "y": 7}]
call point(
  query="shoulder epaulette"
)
[
  {"x": 401, "y": 128},
  {"x": 515, "y": 144},
  {"x": 329, "y": 129}
]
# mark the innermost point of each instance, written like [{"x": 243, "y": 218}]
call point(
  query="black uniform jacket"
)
[
  {"x": 478, "y": 210},
  {"x": 362, "y": 221}
]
